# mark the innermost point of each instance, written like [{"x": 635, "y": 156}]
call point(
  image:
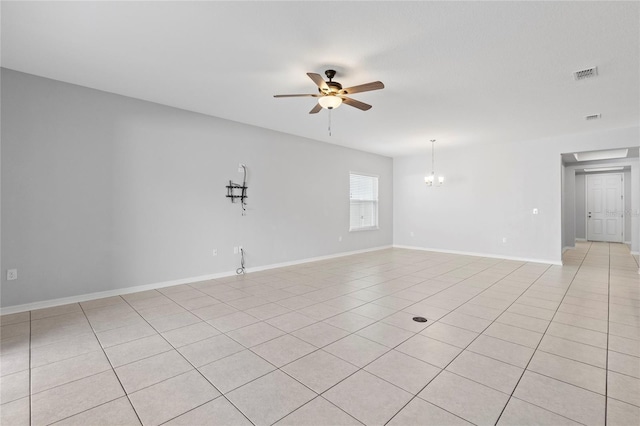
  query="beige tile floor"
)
[{"x": 334, "y": 343}]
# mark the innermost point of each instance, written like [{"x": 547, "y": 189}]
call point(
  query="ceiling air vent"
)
[
  {"x": 586, "y": 73},
  {"x": 592, "y": 117}
]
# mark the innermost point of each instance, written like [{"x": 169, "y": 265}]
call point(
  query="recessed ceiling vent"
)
[
  {"x": 586, "y": 73},
  {"x": 593, "y": 117}
]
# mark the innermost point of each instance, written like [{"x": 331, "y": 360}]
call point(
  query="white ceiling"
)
[{"x": 458, "y": 72}]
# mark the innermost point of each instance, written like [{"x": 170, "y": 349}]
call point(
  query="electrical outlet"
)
[
  {"x": 214, "y": 252},
  {"x": 535, "y": 211},
  {"x": 12, "y": 274},
  {"x": 504, "y": 240},
  {"x": 241, "y": 168},
  {"x": 235, "y": 250},
  {"x": 240, "y": 249}
]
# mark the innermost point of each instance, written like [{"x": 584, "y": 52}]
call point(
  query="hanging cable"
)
[
  {"x": 243, "y": 203},
  {"x": 240, "y": 270}
]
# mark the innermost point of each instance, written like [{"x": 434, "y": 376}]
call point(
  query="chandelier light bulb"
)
[{"x": 429, "y": 180}]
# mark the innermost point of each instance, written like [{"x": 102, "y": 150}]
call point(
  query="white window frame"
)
[{"x": 375, "y": 202}]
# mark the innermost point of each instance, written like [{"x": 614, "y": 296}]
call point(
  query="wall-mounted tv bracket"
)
[{"x": 236, "y": 191}]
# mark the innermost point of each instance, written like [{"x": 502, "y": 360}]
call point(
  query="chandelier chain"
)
[{"x": 433, "y": 157}]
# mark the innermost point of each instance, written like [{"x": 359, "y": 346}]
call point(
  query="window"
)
[{"x": 363, "y": 196}]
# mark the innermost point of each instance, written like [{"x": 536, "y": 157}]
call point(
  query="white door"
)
[{"x": 605, "y": 207}]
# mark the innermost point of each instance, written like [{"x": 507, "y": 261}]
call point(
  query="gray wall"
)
[
  {"x": 490, "y": 192},
  {"x": 628, "y": 185},
  {"x": 103, "y": 192},
  {"x": 581, "y": 207},
  {"x": 568, "y": 208}
]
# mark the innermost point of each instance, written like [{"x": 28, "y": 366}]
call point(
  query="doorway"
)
[
  {"x": 605, "y": 207},
  {"x": 615, "y": 216}
]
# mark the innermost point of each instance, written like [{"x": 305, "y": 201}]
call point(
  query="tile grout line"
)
[
  {"x": 562, "y": 381},
  {"x": 358, "y": 368},
  {"x": 493, "y": 321},
  {"x": 280, "y": 368},
  {"x": 581, "y": 328},
  {"x": 571, "y": 359},
  {"x": 466, "y": 348},
  {"x": 351, "y": 333},
  {"x": 545, "y": 409},
  {"x": 389, "y": 348},
  {"x": 463, "y": 349},
  {"x": 112, "y": 369},
  {"x": 332, "y": 316},
  {"x": 479, "y": 334},
  {"x": 504, "y": 310},
  {"x": 318, "y": 395},
  {"x": 190, "y": 363},
  {"x": 542, "y": 350},
  {"x": 82, "y": 378},
  {"x": 364, "y": 302},
  {"x": 544, "y": 334}
]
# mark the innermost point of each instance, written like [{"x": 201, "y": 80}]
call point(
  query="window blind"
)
[{"x": 363, "y": 202}]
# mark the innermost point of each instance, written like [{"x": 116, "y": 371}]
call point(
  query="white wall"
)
[
  {"x": 490, "y": 193},
  {"x": 103, "y": 192}
]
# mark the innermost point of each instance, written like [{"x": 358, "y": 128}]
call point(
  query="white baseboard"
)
[
  {"x": 315, "y": 259},
  {"x": 127, "y": 290},
  {"x": 635, "y": 253},
  {"x": 628, "y": 242},
  {"x": 581, "y": 239},
  {"x": 568, "y": 248},
  {"x": 108, "y": 293},
  {"x": 489, "y": 255}
]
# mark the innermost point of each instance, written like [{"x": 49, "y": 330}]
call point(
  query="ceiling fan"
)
[{"x": 331, "y": 94}]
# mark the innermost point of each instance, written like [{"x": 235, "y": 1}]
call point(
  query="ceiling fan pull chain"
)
[{"x": 329, "y": 122}]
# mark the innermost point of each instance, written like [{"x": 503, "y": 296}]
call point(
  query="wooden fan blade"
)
[
  {"x": 319, "y": 81},
  {"x": 355, "y": 104},
  {"x": 375, "y": 85},
  {"x": 297, "y": 96},
  {"x": 316, "y": 109}
]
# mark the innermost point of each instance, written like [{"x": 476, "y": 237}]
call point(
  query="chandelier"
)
[{"x": 431, "y": 179}]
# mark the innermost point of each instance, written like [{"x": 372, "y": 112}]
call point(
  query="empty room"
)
[{"x": 320, "y": 213}]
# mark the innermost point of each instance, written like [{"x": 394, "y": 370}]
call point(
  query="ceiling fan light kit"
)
[{"x": 330, "y": 101}]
